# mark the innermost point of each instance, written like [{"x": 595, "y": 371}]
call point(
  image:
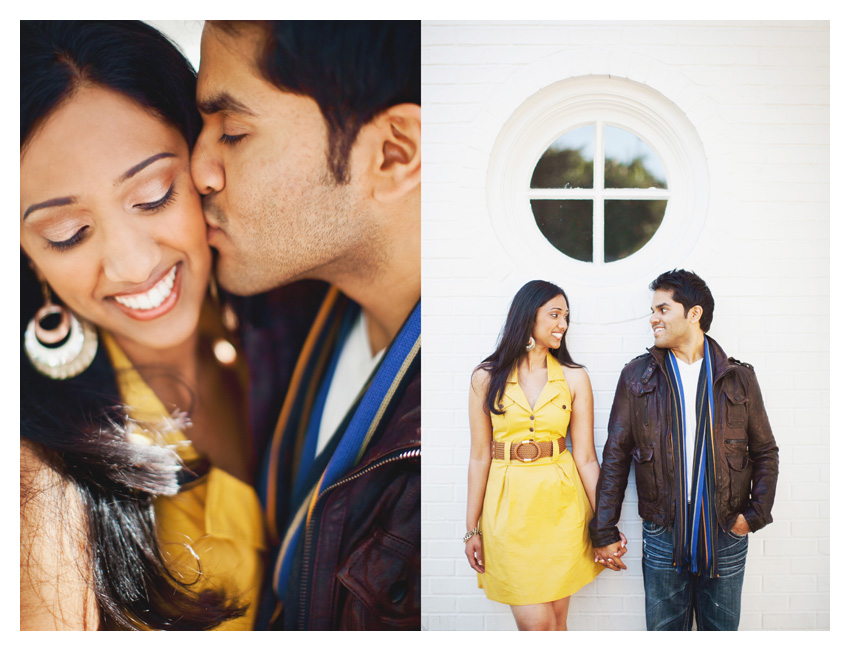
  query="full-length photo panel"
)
[{"x": 626, "y": 262}]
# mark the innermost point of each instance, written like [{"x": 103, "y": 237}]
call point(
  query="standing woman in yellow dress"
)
[
  {"x": 133, "y": 516},
  {"x": 529, "y": 500}
]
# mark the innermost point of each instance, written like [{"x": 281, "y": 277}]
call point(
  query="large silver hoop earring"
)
[
  {"x": 63, "y": 351},
  {"x": 530, "y": 345}
]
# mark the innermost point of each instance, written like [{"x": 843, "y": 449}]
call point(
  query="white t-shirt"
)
[
  {"x": 352, "y": 370},
  {"x": 690, "y": 378}
]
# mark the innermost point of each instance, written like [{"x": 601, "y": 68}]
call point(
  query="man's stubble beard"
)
[{"x": 330, "y": 238}]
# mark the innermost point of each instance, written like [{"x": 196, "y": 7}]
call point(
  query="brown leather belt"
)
[{"x": 526, "y": 451}]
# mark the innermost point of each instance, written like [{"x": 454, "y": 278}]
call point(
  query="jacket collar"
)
[
  {"x": 514, "y": 391},
  {"x": 718, "y": 357}
]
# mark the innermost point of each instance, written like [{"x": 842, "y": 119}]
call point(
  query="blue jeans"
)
[{"x": 672, "y": 599}]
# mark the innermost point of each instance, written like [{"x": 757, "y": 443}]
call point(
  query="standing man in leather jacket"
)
[
  {"x": 706, "y": 464},
  {"x": 309, "y": 167}
]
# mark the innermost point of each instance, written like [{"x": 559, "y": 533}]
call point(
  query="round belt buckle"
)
[{"x": 536, "y": 447}]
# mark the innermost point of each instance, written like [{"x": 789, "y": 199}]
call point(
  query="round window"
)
[
  {"x": 598, "y": 177},
  {"x": 598, "y": 193}
]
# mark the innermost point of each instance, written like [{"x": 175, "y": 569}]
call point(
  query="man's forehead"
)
[
  {"x": 230, "y": 51},
  {"x": 663, "y": 297}
]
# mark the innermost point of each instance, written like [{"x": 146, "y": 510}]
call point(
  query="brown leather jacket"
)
[
  {"x": 640, "y": 430},
  {"x": 360, "y": 567}
]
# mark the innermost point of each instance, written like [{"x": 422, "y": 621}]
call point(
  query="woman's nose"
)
[
  {"x": 131, "y": 255},
  {"x": 207, "y": 171}
]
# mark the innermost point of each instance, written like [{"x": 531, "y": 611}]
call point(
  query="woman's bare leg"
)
[
  {"x": 539, "y": 617},
  {"x": 561, "y": 607}
]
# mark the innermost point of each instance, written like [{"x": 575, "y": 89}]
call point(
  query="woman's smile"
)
[{"x": 153, "y": 303}]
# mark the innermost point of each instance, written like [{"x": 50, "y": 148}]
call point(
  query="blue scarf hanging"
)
[
  {"x": 695, "y": 528},
  {"x": 384, "y": 385}
]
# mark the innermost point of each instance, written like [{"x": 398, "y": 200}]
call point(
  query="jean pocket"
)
[
  {"x": 732, "y": 558},
  {"x": 652, "y": 529}
]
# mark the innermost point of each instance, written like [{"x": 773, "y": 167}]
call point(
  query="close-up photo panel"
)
[
  {"x": 425, "y": 325},
  {"x": 220, "y": 325}
]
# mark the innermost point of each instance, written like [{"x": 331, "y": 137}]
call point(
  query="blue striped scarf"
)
[{"x": 694, "y": 529}]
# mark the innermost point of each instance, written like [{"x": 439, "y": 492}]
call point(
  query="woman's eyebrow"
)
[
  {"x": 50, "y": 203},
  {"x": 66, "y": 201},
  {"x": 138, "y": 168}
]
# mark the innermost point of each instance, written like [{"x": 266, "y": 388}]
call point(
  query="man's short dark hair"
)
[
  {"x": 353, "y": 69},
  {"x": 689, "y": 290}
]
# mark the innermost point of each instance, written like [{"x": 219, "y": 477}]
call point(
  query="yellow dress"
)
[
  {"x": 217, "y": 517},
  {"x": 534, "y": 522}
]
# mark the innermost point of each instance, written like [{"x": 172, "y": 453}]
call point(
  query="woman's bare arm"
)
[
  {"x": 56, "y": 591},
  {"x": 481, "y": 431},
  {"x": 581, "y": 430}
]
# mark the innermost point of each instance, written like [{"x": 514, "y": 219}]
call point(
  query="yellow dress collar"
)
[{"x": 550, "y": 391}]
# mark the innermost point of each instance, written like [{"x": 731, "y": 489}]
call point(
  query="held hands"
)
[
  {"x": 475, "y": 554},
  {"x": 610, "y": 555}
]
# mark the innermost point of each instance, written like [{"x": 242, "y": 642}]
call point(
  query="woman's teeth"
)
[{"x": 151, "y": 298}]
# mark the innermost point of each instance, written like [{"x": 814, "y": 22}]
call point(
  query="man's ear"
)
[
  {"x": 695, "y": 314},
  {"x": 397, "y": 166}
]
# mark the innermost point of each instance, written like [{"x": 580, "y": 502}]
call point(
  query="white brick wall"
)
[{"x": 757, "y": 94}]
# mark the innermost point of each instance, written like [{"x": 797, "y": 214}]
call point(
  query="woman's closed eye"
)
[
  {"x": 75, "y": 239},
  {"x": 159, "y": 204}
]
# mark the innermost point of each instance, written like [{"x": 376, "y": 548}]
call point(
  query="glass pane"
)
[
  {"x": 629, "y": 225},
  {"x": 568, "y": 163},
  {"x": 568, "y": 225},
  {"x": 630, "y": 163}
]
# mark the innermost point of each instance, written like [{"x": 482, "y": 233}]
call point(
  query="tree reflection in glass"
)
[
  {"x": 568, "y": 225},
  {"x": 568, "y": 162},
  {"x": 630, "y": 163},
  {"x": 629, "y": 225},
  {"x": 606, "y": 218}
]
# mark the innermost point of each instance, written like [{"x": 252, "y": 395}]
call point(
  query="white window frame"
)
[{"x": 594, "y": 99}]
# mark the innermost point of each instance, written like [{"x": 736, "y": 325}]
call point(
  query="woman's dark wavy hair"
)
[
  {"x": 78, "y": 426},
  {"x": 518, "y": 327}
]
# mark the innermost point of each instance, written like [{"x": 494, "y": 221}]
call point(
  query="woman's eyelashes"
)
[
  {"x": 159, "y": 204},
  {"x": 152, "y": 207},
  {"x": 76, "y": 238}
]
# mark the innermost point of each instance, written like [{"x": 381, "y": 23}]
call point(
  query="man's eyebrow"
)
[
  {"x": 50, "y": 203},
  {"x": 223, "y": 102},
  {"x": 138, "y": 168},
  {"x": 660, "y": 305}
]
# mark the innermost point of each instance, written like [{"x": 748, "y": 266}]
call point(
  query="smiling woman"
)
[
  {"x": 115, "y": 267},
  {"x": 528, "y": 496},
  {"x": 116, "y": 220}
]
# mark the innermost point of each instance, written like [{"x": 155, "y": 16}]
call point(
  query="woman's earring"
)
[
  {"x": 530, "y": 345},
  {"x": 63, "y": 351}
]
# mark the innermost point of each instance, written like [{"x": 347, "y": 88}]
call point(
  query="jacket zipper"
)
[{"x": 308, "y": 536}]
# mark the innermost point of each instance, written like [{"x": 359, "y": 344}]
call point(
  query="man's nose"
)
[{"x": 207, "y": 171}]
